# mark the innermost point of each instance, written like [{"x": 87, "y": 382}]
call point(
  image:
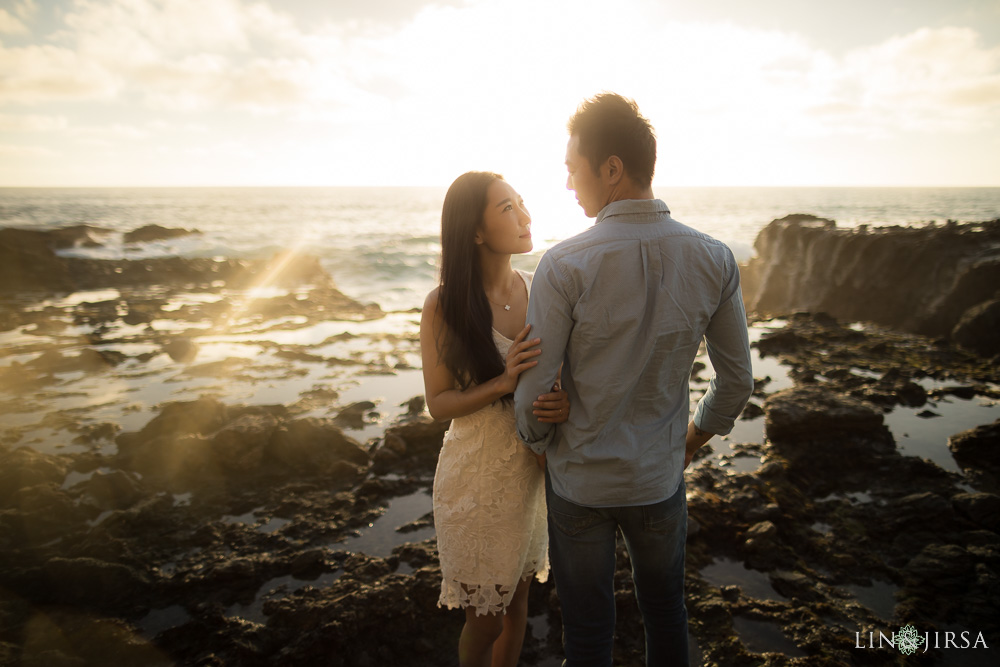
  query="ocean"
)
[{"x": 382, "y": 244}]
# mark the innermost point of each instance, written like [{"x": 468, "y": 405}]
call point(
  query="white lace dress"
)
[{"x": 489, "y": 509}]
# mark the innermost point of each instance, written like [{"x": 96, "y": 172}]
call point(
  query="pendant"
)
[{"x": 506, "y": 307}]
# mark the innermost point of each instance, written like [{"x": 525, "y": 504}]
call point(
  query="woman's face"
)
[{"x": 506, "y": 227}]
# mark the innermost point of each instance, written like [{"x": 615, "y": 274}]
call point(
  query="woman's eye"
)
[{"x": 508, "y": 207}]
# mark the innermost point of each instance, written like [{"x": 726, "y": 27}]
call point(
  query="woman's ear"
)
[{"x": 479, "y": 237}]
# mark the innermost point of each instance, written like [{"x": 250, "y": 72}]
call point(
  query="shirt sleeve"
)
[
  {"x": 728, "y": 347},
  {"x": 550, "y": 317}
]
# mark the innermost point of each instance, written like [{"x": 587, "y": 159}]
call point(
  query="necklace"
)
[{"x": 506, "y": 306}]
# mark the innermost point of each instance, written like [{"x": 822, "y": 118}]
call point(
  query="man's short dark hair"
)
[{"x": 609, "y": 124}]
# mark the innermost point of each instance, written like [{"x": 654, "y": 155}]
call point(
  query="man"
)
[{"x": 623, "y": 307}]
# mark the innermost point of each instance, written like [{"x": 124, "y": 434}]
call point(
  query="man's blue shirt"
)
[{"x": 626, "y": 305}]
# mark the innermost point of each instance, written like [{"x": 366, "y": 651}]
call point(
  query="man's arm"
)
[
  {"x": 729, "y": 351},
  {"x": 550, "y": 316}
]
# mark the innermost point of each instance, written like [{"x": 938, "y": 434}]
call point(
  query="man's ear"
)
[{"x": 616, "y": 170}]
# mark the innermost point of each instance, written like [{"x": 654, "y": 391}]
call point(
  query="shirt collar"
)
[{"x": 636, "y": 210}]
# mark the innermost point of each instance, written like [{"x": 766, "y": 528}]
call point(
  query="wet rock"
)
[
  {"x": 114, "y": 490},
  {"x": 819, "y": 431},
  {"x": 982, "y": 508},
  {"x": 309, "y": 564},
  {"x": 240, "y": 445},
  {"x": 155, "y": 233},
  {"x": 415, "y": 406},
  {"x": 89, "y": 582},
  {"x": 780, "y": 342},
  {"x": 422, "y": 436},
  {"x": 764, "y": 530},
  {"x": 24, "y": 467},
  {"x": 751, "y": 411},
  {"x": 815, "y": 413},
  {"x": 795, "y": 585},
  {"x": 924, "y": 511},
  {"x": 28, "y": 262},
  {"x": 314, "y": 445},
  {"x": 978, "y": 327},
  {"x": 978, "y": 447},
  {"x": 174, "y": 459},
  {"x": 44, "y": 510},
  {"x": 181, "y": 350},
  {"x": 921, "y": 280},
  {"x": 88, "y": 360},
  {"x": 95, "y": 432},
  {"x": 940, "y": 566},
  {"x": 203, "y": 416},
  {"x": 353, "y": 416}
]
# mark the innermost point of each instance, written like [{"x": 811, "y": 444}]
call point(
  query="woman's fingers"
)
[{"x": 522, "y": 334}]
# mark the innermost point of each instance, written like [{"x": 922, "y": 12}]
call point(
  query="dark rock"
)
[
  {"x": 88, "y": 360},
  {"x": 240, "y": 445},
  {"x": 764, "y": 529},
  {"x": 353, "y": 416},
  {"x": 925, "y": 510},
  {"x": 794, "y": 585},
  {"x": 114, "y": 490},
  {"x": 174, "y": 458},
  {"x": 181, "y": 350},
  {"x": 314, "y": 445},
  {"x": 940, "y": 565},
  {"x": 415, "y": 406},
  {"x": 751, "y": 411},
  {"x": 422, "y": 436},
  {"x": 796, "y": 417},
  {"x": 155, "y": 233},
  {"x": 982, "y": 508},
  {"x": 911, "y": 394},
  {"x": 978, "y": 328},
  {"x": 781, "y": 342},
  {"x": 978, "y": 447},
  {"x": 28, "y": 263},
  {"x": 24, "y": 467},
  {"x": 94, "y": 432},
  {"x": 94, "y": 583},
  {"x": 921, "y": 280},
  {"x": 309, "y": 564},
  {"x": 202, "y": 416}
]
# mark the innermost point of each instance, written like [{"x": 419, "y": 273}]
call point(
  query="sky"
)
[{"x": 398, "y": 92}]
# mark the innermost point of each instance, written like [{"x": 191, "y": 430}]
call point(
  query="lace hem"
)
[{"x": 484, "y": 598}]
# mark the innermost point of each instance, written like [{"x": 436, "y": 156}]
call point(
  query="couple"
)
[{"x": 595, "y": 438}]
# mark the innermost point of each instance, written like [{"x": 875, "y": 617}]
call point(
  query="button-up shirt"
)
[{"x": 624, "y": 307}]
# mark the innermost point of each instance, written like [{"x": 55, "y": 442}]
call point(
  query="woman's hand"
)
[
  {"x": 552, "y": 407},
  {"x": 519, "y": 359}
]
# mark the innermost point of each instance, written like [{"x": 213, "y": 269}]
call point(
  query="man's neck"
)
[{"x": 626, "y": 189}]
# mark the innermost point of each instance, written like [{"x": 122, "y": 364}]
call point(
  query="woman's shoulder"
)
[
  {"x": 431, "y": 309},
  {"x": 433, "y": 297}
]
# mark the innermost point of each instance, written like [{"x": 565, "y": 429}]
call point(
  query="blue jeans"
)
[{"x": 582, "y": 554}]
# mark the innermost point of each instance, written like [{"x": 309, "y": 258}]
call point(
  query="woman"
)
[{"x": 489, "y": 495}]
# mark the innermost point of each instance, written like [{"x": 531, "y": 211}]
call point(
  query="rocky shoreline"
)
[{"x": 215, "y": 531}]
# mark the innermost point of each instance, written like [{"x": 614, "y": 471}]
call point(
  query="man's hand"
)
[{"x": 695, "y": 439}]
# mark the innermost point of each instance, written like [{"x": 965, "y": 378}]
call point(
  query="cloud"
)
[
  {"x": 10, "y": 25},
  {"x": 31, "y": 123},
  {"x": 15, "y": 151},
  {"x": 929, "y": 80}
]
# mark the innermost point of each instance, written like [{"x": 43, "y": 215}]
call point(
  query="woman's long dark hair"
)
[{"x": 468, "y": 350}]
